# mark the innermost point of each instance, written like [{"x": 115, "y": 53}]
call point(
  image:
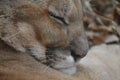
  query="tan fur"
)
[
  {"x": 27, "y": 28},
  {"x": 14, "y": 66},
  {"x": 35, "y": 26},
  {"x": 101, "y": 63}
]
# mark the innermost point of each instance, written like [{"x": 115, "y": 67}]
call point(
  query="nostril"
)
[{"x": 74, "y": 55}]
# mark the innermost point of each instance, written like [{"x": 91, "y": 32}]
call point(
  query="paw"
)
[{"x": 38, "y": 52}]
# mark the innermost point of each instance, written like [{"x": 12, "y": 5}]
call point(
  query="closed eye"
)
[{"x": 58, "y": 18}]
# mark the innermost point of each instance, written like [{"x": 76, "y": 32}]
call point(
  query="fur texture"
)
[
  {"x": 35, "y": 26},
  {"x": 101, "y": 63}
]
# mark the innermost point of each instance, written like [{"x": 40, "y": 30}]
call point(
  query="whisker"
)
[{"x": 7, "y": 38}]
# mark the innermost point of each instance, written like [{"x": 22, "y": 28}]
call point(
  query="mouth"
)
[
  {"x": 64, "y": 61},
  {"x": 67, "y": 65}
]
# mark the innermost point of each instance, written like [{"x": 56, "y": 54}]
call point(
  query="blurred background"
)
[{"x": 102, "y": 21}]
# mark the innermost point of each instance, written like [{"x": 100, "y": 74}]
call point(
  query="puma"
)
[
  {"x": 20, "y": 34},
  {"x": 52, "y": 33}
]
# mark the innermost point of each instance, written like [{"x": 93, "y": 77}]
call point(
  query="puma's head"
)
[{"x": 44, "y": 24}]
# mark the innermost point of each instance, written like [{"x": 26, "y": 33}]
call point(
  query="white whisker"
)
[{"x": 7, "y": 38}]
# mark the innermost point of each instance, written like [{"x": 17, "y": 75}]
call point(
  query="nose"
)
[{"x": 79, "y": 56}]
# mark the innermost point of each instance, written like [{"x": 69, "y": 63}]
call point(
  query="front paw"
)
[{"x": 38, "y": 52}]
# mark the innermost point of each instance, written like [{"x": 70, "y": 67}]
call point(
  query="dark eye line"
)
[{"x": 59, "y": 18}]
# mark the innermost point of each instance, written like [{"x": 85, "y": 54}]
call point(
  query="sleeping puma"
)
[{"x": 42, "y": 27}]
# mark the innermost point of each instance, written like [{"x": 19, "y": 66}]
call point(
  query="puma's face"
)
[
  {"x": 66, "y": 14},
  {"x": 56, "y": 23}
]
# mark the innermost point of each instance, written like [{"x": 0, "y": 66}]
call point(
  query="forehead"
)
[
  {"x": 60, "y": 4},
  {"x": 66, "y": 3},
  {"x": 69, "y": 7}
]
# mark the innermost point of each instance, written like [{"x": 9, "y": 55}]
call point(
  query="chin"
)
[{"x": 70, "y": 71}]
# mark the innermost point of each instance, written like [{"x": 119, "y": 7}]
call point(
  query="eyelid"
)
[{"x": 58, "y": 17}]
